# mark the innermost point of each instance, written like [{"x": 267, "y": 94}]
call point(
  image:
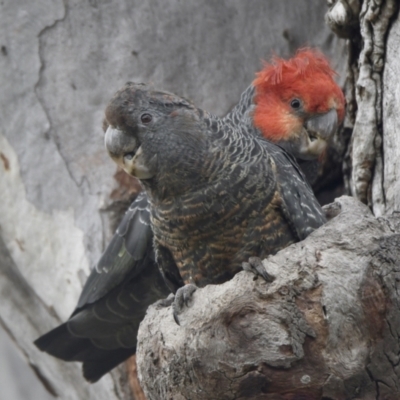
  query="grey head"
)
[{"x": 156, "y": 136}]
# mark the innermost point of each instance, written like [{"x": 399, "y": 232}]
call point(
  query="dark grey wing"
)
[
  {"x": 310, "y": 169},
  {"x": 129, "y": 251},
  {"x": 104, "y": 334},
  {"x": 300, "y": 207},
  {"x": 102, "y": 331}
]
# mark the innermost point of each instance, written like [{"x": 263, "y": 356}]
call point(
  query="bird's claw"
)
[
  {"x": 182, "y": 299},
  {"x": 256, "y": 266}
]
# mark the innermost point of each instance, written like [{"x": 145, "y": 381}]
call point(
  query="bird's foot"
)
[
  {"x": 256, "y": 266},
  {"x": 183, "y": 296}
]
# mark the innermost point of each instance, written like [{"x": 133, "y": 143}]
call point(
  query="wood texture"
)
[
  {"x": 370, "y": 168},
  {"x": 325, "y": 328},
  {"x": 390, "y": 172}
]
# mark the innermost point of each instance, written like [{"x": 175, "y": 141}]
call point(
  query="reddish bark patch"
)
[
  {"x": 128, "y": 186},
  {"x": 20, "y": 244},
  {"x": 374, "y": 301},
  {"x": 134, "y": 383},
  {"x": 6, "y": 162}
]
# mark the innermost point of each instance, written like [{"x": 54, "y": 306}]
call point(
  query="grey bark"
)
[
  {"x": 327, "y": 327},
  {"x": 60, "y": 61},
  {"x": 389, "y": 183},
  {"x": 372, "y": 167}
]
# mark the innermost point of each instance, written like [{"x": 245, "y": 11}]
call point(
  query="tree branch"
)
[{"x": 326, "y": 327}]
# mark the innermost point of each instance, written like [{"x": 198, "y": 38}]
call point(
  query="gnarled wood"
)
[
  {"x": 325, "y": 328},
  {"x": 370, "y": 97}
]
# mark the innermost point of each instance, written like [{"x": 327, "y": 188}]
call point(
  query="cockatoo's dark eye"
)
[
  {"x": 295, "y": 104},
  {"x": 146, "y": 118}
]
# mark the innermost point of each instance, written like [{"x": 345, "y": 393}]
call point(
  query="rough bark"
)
[
  {"x": 390, "y": 171},
  {"x": 372, "y": 49},
  {"x": 327, "y": 327},
  {"x": 60, "y": 194}
]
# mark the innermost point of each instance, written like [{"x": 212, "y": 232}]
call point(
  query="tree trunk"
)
[
  {"x": 61, "y": 196},
  {"x": 372, "y": 166}
]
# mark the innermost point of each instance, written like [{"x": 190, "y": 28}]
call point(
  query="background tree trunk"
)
[
  {"x": 372, "y": 166},
  {"x": 60, "y": 194}
]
